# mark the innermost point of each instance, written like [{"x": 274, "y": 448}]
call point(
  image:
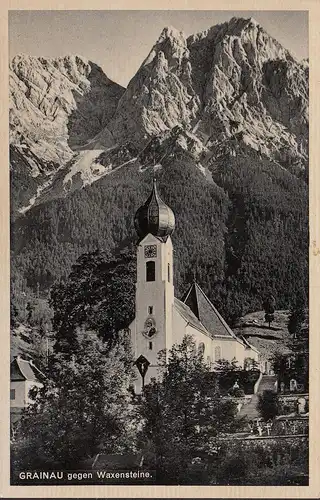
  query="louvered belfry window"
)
[{"x": 150, "y": 270}]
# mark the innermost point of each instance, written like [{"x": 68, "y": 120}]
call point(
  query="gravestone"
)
[
  {"x": 302, "y": 405},
  {"x": 293, "y": 385}
]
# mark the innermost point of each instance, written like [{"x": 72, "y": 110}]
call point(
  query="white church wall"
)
[
  {"x": 241, "y": 354},
  {"x": 228, "y": 349},
  {"x": 154, "y": 303},
  {"x": 179, "y": 327},
  {"x": 200, "y": 337},
  {"x": 158, "y": 295},
  {"x": 251, "y": 353}
]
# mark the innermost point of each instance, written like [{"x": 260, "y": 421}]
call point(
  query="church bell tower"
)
[{"x": 152, "y": 326}]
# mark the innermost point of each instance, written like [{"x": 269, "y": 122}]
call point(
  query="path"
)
[{"x": 250, "y": 410}]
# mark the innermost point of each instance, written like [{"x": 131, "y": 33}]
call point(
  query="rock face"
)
[
  {"x": 232, "y": 80},
  {"x": 56, "y": 107},
  {"x": 69, "y": 99},
  {"x": 229, "y": 87}
]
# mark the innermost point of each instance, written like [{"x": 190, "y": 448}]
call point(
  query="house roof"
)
[
  {"x": 22, "y": 369},
  {"x": 205, "y": 312}
]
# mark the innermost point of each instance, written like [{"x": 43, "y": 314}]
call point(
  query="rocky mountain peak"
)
[
  {"x": 66, "y": 97},
  {"x": 231, "y": 78},
  {"x": 171, "y": 46},
  {"x": 221, "y": 117},
  {"x": 171, "y": 33}
]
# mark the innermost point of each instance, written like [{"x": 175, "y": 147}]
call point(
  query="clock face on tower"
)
[{"x": 150, "y": 251}]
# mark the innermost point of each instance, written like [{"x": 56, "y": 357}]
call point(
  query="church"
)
[{"x": 162, "y": 320}]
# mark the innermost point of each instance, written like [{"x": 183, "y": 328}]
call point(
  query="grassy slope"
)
[{"x": 268, "y": 340}]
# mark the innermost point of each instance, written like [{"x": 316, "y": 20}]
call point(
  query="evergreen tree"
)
[
  {"x": 298, "y": 326},
  {"x": 268, "y": 405},
  {"x": 13, "y": 314},
  {"x": 30, "y": 310},
  {"x": 224, "y": 366},
  {"x": 269, "y": 308},
  {"x": 297, "y": 315}
]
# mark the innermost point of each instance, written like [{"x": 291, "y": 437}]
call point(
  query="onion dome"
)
[{"x": 154, "y": 217}]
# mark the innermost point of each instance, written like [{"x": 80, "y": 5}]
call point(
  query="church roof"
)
[
  {"x": 189, "y": 316},
  {"x": 205, "y": 312},
  {"x": 21, "y": 369},
  {"x": 247, "y": 344}
]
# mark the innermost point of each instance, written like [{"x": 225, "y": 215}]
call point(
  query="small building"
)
[{"x": 24, "y": 375}]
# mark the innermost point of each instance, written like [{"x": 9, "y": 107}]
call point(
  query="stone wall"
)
[{"x": 289, "y": 403}]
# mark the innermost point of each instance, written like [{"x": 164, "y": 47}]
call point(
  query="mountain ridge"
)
[{"x": 231, "y": 80}]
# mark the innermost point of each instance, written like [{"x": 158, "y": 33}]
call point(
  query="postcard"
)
[{"x": 161, "y": 246}]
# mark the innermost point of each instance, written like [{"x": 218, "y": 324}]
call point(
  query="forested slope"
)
[{"x": 239, "y": 235}]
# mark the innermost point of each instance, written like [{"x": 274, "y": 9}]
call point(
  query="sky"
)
[{"x": 119, "y": 41}]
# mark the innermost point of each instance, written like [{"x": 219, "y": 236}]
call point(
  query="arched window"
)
[
  {"x": 248, "y": 363},
  {"x": 209, "y": 360},
  {"x": 217, "y": 353},
  {"x": 150, "y": 270},
  {"x": 201, "y": 348}
]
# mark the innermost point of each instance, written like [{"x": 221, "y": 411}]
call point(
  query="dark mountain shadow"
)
[{"x": 95, "y": 107}]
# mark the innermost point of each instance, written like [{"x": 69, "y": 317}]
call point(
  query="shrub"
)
[
  {"x": 274, "y": 463},
  {"x": 237, "y": 392},
  {"x": 268, "y": 405}
]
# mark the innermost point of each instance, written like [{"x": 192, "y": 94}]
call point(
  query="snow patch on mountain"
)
[{"x": 86, "y": 167}]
